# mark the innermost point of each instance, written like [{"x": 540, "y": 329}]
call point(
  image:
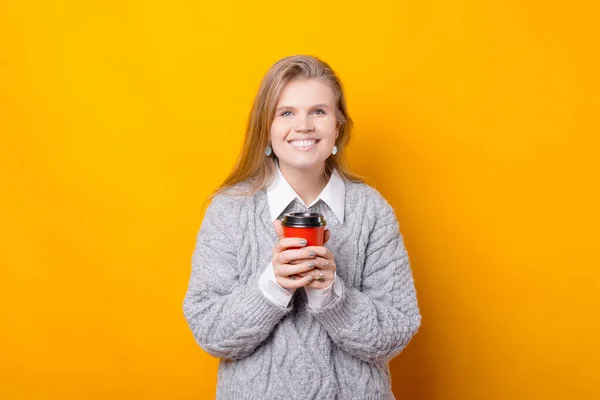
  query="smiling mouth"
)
[{"x": 304, "y": 143}]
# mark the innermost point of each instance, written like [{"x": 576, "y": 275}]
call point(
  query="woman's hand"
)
[{"x": 302, "y": 267}]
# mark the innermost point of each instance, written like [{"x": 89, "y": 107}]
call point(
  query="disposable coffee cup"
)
[{"x": 309, "y": 226}]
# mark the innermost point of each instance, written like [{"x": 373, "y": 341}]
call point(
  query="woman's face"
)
[{"x": 304, "y": 128}]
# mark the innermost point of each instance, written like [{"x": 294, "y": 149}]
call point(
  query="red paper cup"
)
[{"x": 309, "y": 226}]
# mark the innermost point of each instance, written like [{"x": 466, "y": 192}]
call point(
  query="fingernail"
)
[
  {"x": 309, "y": 278},
  {"x": 311, "y": 265},
  {"x": 303, "y": 242},
  {"x": 311, "y": 253}
]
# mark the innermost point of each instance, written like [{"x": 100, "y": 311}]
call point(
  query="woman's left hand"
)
[{"x": 324, "y": 260}]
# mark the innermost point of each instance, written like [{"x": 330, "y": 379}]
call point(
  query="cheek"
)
[
  {"x": 327, "y": 127},
  {"x": 278, "y": 129}
]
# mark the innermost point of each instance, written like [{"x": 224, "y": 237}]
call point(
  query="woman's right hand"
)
[{"x": 283, "y": 260}]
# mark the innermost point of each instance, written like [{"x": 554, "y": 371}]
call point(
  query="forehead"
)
[{"x": 306, "y": 92}]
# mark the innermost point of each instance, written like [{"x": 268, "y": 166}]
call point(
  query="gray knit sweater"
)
[{"x": 272, "y": 352}]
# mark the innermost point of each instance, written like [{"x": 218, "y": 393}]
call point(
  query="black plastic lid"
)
[{"x": 303, "y": 220}]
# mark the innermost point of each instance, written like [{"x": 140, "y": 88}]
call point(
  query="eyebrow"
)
[{"x": 291, "y": 108}]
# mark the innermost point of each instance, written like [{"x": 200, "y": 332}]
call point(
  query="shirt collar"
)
[{"x": 280, "y": 194}]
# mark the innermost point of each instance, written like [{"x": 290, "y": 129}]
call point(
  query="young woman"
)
[{"x": 291, "y": 321}]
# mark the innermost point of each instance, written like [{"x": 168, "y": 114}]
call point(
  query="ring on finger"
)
[{"x": 321, "y": 277}]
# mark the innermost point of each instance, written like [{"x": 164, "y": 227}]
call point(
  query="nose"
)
[{"x": 304, "y": 125}]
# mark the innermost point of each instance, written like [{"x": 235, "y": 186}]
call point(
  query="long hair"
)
[{"x": 256, "y": 169}]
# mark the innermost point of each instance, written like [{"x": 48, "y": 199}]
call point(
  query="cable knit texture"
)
[{"x": 272, "y": 352}]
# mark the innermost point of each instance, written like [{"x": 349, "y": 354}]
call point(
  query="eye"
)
[
  {"x": 286, "y": 113},
  {"x": 319, "y": 111}
]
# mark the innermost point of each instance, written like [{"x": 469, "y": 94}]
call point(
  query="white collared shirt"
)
[{"x": 279, "y": 195}]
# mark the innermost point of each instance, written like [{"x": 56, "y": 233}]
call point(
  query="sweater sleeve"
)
[
  {"x": 376, "y": 323},
  {"x": 228, "y": 318}
]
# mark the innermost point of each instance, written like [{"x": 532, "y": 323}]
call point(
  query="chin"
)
[{"x": 301, "y": 164}]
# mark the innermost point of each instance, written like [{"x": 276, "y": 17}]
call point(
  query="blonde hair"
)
[{"x": 253, "y": 166}]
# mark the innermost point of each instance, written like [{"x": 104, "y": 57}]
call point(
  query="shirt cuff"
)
[
  {"x": 271, "y": 289},
  {"x": 321, "y": 298}
]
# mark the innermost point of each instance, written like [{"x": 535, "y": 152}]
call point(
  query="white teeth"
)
[{"x": 302, "y": 143}]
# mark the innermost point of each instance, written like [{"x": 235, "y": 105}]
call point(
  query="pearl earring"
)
[
  {"x": 268, "y": 151},
  {"x": 334, "y": 151}
]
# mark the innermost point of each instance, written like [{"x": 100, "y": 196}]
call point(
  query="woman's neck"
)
[{"x": 307, "y": 183}]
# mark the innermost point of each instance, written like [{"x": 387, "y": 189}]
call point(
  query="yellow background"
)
[{"x": 477, "y": 120}]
